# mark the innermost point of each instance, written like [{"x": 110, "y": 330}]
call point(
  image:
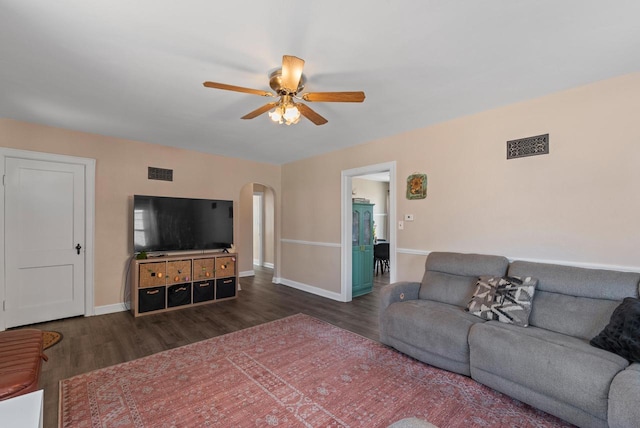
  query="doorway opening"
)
[
  {"x": 374, "y": 189},
  {"x": 384, "y": 221},
  {"x": 257, "y": 233}
]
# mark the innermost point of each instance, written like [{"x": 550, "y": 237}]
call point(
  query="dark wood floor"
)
[{"x": 96, "y": 342}]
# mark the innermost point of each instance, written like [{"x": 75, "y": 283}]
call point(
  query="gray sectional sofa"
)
[{"x": 549, "y": 364}]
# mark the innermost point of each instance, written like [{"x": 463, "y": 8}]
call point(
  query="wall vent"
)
[
  {"x": 160, "y": 174},
  {"x": 531, "y": 146}
]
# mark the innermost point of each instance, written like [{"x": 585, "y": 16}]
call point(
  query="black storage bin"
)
[
  {"x": 225, "y": 287},
  {"x": 151, "y": 299},
  {"x": 202, "y": 291},
  {"x": 178, "y": 295}
]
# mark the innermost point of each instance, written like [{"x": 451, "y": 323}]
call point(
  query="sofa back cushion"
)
[
  {"x": 575, "y": 301},
  {"x": 451, "y": 277}
]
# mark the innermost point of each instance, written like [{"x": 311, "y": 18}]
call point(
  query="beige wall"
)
[
  {"x": 121, "y": 172},
  {"x": 579, "y": 204}
]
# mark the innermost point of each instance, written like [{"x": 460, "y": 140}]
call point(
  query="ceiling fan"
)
[{"x": 288, "y": 82}]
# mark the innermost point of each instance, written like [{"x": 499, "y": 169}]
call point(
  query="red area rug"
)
[{"x": 294, "y": 372}]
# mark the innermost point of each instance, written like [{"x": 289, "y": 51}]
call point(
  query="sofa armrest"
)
[
  {"x": 623, "y": 398},
  {"x": 392, "y": 293},
  {"x": 398, "y": 292}
]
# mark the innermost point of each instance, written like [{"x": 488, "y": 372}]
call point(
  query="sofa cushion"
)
[
  {"x": 504, "y": 299},
  {"x": 451, "y": 277},
  {"x": 575, "y": 301},
  {"x": 550, "y": 364},
  {"x": 622, "y": 335},
  {"x": 432, "y": 332}
]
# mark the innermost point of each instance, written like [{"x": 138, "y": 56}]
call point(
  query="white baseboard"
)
[
  {"x": 111, "y": 309},
  {"x": 268, "y": 265},
  {"x": 309, "y": 289}
]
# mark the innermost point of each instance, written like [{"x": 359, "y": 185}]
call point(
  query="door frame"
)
[
  {"x": 346, "y": 256},
  {"x": 90, "y": 178}
]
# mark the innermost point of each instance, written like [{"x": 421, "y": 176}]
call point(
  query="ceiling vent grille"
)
[
  {"x": 160, "y": 174},
  {"x": 531, "y": 146}
]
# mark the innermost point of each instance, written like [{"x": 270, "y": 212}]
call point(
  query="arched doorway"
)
[{"x": 257, "y": 230}]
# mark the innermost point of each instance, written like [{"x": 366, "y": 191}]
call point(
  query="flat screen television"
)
[{"x": 162, "y": 224}]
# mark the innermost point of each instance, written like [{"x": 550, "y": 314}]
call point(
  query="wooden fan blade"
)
[
  {"x": 237, "y": 89},
  {"x": 291, "y": 72},
  {"x": 311, "y": 115},
  {"x": 257, "y": 112},
  {"x": 338, "y": 97}
]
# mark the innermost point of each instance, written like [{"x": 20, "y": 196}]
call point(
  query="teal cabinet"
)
[{"x": 362, "y": 249}]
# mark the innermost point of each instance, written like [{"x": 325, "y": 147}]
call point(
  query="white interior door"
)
[{"x": 44, "y": 241}]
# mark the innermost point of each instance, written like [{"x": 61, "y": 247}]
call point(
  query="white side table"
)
[{"x": 23, "y": 411}]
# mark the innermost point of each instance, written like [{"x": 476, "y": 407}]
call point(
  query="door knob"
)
[{"x": 78, "y": 248}]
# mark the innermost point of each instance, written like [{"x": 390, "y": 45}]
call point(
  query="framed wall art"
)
[{"x": 417, "y": 186}]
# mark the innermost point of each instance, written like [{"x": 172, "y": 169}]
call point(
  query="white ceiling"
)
[{"x": 134, "y": 69}]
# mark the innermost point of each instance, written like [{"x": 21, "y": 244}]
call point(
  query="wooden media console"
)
[{"x": 174, "y": 282}]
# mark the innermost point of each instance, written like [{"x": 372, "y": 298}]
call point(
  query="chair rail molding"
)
[{"x": 313, "y": 243}]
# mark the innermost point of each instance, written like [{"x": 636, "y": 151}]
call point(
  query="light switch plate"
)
[
  {"x": 408, "y": 217},
  {"x": 401, "y": 225}
]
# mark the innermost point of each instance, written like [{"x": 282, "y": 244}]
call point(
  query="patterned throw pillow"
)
[
  {"x": 622, "y": 335},
  {"x": 507, "y": 299}
]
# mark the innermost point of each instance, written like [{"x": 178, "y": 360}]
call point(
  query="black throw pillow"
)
[{"x": 622, "y": 335}]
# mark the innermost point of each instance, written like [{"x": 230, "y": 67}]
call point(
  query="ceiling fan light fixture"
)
[
  {"x": 291, "y": 114},
  {"x": 288, "y": 82},
  {"x": 285, "y": 112},
  {"x": 276, "y": 114}
]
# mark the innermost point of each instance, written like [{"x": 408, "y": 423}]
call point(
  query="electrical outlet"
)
[
  {"x": 408, "y": 217},
  {"x": 401, "y": 225}
]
